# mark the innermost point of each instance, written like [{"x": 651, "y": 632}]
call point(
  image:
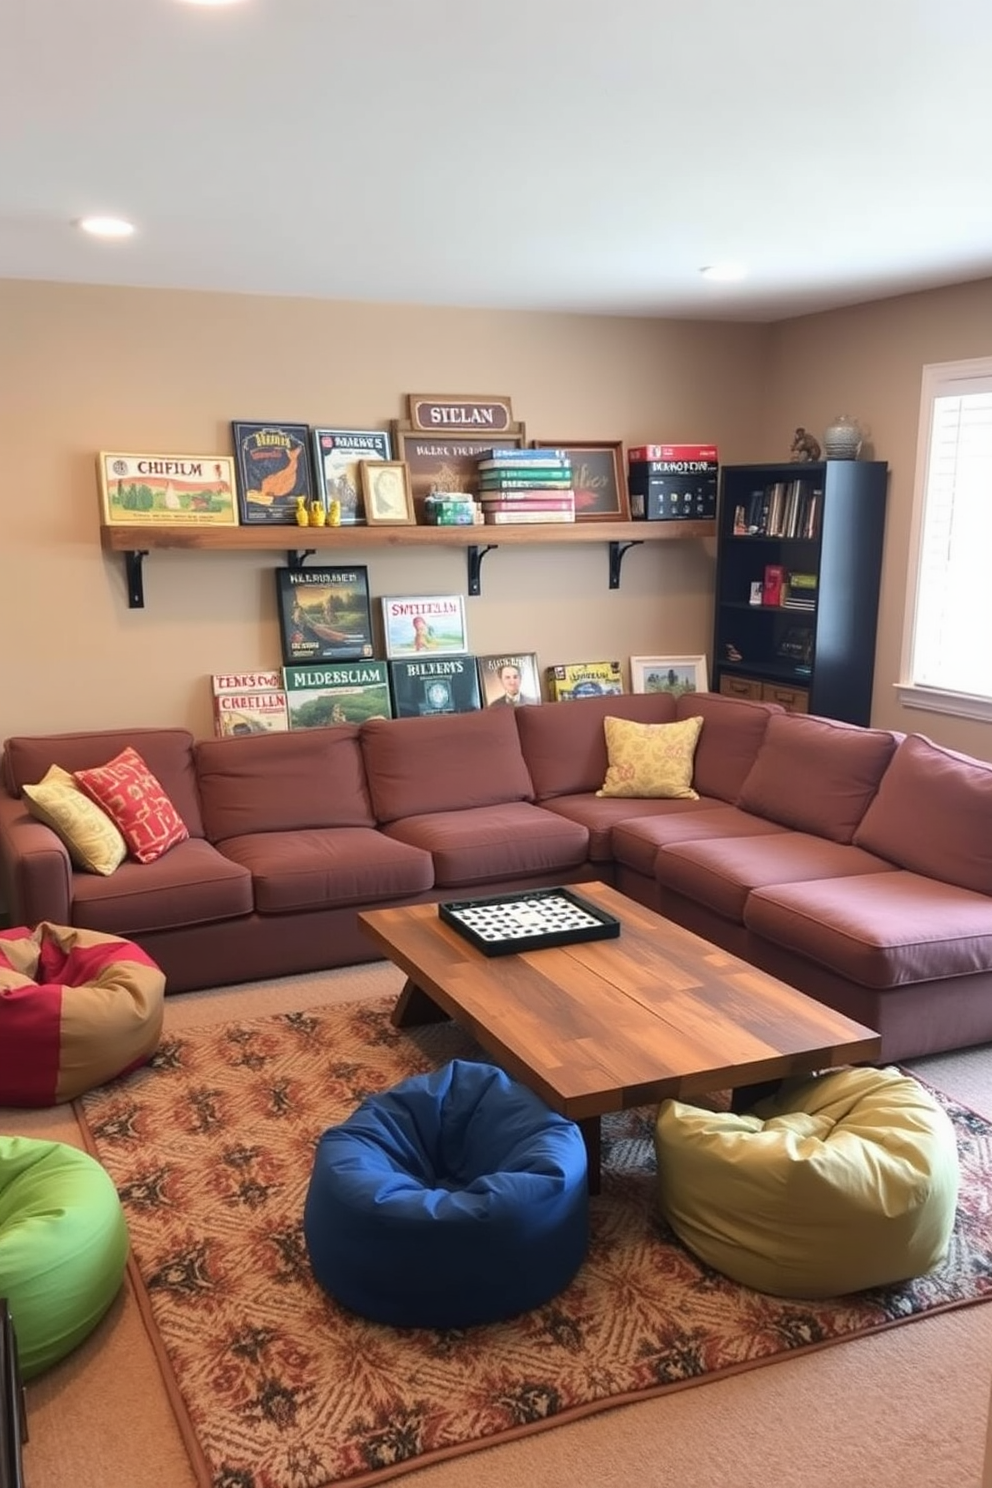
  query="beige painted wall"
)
[
  {"x": 867, "y": 360},
  {"x": 85, "y": 368}
]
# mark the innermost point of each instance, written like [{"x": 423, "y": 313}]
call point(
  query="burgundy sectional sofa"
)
[{"x": 853, "y": 863}]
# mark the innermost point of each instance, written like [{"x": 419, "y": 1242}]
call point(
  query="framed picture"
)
[
  {"x": 336, "y": 456},
  {"x": 445, "y": 462},
  {"x": 272, "y": 462},
  {"x": 509, "y": 679},
  {"x": 386, "y": 493},
  {"x": 166, "y": 490},
  {"x": 324, "y": 614},
  {"x": 676, "y": 674},
  {"x": 423, "y": 625},
  {"x": 598, "y": 478}
]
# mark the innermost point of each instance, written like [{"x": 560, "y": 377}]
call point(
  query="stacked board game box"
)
[
  {"x": 579, "y": 679},
  {"x": 342, "y": 692},
  {"x": 248, "y": 703},
  {"x": 672, "y": 482},
  {"x": 532, "y": 485}
]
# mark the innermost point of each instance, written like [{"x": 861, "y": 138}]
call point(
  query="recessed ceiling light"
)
[
  {"x": 726, "y": 273},
  {"x": 213, "y": 2},
  {"x": 107, "y": 227}
]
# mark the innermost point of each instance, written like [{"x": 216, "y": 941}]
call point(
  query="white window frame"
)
[{"x": 940, "y": 379}]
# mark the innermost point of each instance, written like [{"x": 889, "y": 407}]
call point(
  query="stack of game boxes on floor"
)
[{"x": 517, "y": 485}]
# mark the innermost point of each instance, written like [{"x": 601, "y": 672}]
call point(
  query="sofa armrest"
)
[{"x": 35, "y": 868}]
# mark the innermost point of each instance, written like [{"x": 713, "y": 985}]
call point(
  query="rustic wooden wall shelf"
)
[{"x": 300, "y": 543}]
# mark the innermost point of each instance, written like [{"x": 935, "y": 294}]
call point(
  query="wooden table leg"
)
[
  {"x": 590, "y": 1129},
  {"x": 414, "y": 1006}
]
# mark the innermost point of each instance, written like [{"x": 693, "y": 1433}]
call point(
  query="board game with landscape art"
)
[
  {"x": 348, "y": 692},
  {"x": 324, "y": 614}
]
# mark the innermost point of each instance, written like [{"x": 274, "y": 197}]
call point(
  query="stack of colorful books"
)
[{"x": 517, "y": 485}]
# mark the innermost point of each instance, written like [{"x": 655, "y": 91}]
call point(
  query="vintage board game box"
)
[
  {"x": 423, "y": 624},
  {"x": 166, "y": 490},
  {"x": 350, "y": 692},
  {"x": 437, "y": 684},
  {"x": 672, "y": 482},
  {"x": 509, "y": 679},
  {"x": 272, "y": 462},
  {"x": 248, "y": 703},
  {"x": 337, "y": 454},
  {"x": 579, "y": 679},
  {"x": 324, "y": 614}
]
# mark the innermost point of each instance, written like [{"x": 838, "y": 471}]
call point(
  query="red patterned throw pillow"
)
[{"x": 132, "y": 797}]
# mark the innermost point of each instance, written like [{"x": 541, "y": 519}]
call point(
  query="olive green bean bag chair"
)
[{"x": 836, "y": 1183}]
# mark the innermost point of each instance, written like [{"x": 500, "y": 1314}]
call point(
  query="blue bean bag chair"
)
[{"x": 453, "y": 1199}]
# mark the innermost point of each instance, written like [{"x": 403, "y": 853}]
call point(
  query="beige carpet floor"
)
[{"x": 903, "y": 1409}]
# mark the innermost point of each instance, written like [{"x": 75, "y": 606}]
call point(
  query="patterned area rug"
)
[{"x": 277, "y": 1387}]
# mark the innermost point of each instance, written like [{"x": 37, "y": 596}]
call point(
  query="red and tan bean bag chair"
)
[{"x": 76, "y": 1009}]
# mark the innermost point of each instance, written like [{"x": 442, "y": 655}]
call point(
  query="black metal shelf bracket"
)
[
  {"x": 476, "y": 553},
  {"x": 296, "y": 557},
  {"x": 135, "y": 584},
  {"x": 617, "y": 550}
]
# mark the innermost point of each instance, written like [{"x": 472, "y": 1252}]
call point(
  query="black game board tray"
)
[{"x": 507, "y": 924}]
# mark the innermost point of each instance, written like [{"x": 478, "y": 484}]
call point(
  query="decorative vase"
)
[{"x": 842, "y": 440}]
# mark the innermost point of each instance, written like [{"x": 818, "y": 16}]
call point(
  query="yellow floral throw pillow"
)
[
  {"x": 650, "y": 759},
  {"x": 93, "y": 842}
]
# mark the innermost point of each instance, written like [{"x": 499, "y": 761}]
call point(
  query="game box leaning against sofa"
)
[{"x": 854, "y": 863}]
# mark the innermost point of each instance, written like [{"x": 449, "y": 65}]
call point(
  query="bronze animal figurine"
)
[{"x": 804, "y": 447}]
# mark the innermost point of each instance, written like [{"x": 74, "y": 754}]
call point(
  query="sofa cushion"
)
[
  {"x": 93, "y": 841},
  {"x": 933, "y": 815},
  {"x": 721, "y": 873},
  {"x": 168, "y": 753},
  {"x": 733, "y": 730},
  {"x": 600, "y": 815},
  {"x": 635, "y": 841},
  {"x": 192, "y": 884},
  {"x": 448, "y": 763},
  {"x": 134, "y": 799},
  {"x": 322, "y": 868},
  {"x": 816, "y": 774},
  {"x": 650, "y": 759},
  {"x": 283, "y": 782},
  {"x": 882, "y": 930},
  {"x": 565, "y": 746},
  {"x": 493, "y": 843}
]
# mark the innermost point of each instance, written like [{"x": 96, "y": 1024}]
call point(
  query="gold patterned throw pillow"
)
[
  {"x": 650, "y": 759},
  {"x": 93, "y": 842}
]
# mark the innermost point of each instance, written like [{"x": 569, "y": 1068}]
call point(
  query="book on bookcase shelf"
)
[
  {"x": 579, "y": 679},
  {"x": 509, "y": 678},
  {"x": 434, "y": 684},
  {"x": 320, "y": 695},
  {"x": 324, "y": 614},
  {"x": 248, "y": 703},
  {"x": 782, "y": 509}
]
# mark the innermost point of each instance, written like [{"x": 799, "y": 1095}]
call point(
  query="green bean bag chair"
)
[
  {"x": 63, "y": 1246},
  {"x": 836, "y": 1183}
]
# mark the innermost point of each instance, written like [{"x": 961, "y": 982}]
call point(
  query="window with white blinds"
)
[{"x": 948, "y": 655}]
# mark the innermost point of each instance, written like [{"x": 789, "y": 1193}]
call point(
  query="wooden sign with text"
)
[{"x": 449, "y": 412}]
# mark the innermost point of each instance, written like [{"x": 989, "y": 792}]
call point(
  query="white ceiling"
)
[{"x": 580, "y": 155}]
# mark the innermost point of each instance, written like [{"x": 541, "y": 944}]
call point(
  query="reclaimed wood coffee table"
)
[{"x": 611, "y": 1024}]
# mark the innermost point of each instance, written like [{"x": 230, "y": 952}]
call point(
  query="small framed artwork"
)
[
  {"x": 386, "y": 493},
  {"x": 166, "y": 490},
  {"x": 675, "y": 674},
  {"x": 423, "y": 625},
  {"x": 336, "y": 457},
  {"x": 598, "y": 478}
]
